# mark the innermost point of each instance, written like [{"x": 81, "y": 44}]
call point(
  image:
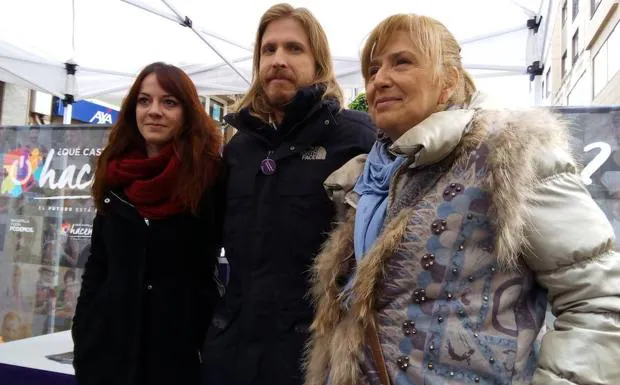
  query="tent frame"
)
[{"x": 535, "y": 53}]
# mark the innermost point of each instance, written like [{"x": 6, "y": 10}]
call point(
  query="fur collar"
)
[{"x": 524, "y": 148}]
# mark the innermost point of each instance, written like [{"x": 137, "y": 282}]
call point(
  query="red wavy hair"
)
[{"x": 198, "y": 143}]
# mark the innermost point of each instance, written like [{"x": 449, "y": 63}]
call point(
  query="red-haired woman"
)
[{"x": 148, "y": 289}]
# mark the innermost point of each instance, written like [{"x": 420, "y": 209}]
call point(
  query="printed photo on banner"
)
[
  {"x": 46, "y": 214},
  {"x": 23, "y": 239}
]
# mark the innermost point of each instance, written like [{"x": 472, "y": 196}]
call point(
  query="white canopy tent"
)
[{"x": 77, "y": 49}]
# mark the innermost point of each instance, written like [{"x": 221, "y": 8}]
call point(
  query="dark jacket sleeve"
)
[
  {"x": 95, "y": 273},
  {"x": 368, "y": 134},
  {"x": 213, "y": 221},
  {"x": 219, "y": 207},
  {"x": 361, "y": 129}
]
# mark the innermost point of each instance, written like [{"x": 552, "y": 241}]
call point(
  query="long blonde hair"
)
[
  {"x": 434, "y": 44},
  {"x": 255, "y": 98}
]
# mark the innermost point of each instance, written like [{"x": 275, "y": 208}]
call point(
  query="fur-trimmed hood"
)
[
  {"x": 524, "y": 146},
  {"x": 523, "y": 195}
]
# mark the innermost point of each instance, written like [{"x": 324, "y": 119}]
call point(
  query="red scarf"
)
[{"x": 148, "y": 182}]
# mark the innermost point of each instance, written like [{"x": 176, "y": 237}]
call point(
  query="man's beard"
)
[
  {"x": 278, "y": 101},
  {"x": 280, "y": 96}
]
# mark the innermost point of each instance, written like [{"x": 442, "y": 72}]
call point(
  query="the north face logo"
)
[{"x": 314, "y": 153}]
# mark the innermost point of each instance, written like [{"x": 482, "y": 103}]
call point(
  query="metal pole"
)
[
  {"x": 71, "y": 68},
  {"x": 188, "y": 23},
  {"x": 491, "y": 67},
  {"x": 148, "y": 8},
  {"x": 492, "y": 34},
  {"x": 66, "y": 117},
  {"x": 525, "y": 10}
]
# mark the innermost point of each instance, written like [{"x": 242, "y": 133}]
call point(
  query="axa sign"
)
[
  {"x": 101, "y": 117},
  {"x": 89, "y": 112}
]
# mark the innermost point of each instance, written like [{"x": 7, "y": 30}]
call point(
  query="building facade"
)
[
  {"x": 22, "y": 106},
  {"x": 582, "y": 54}
]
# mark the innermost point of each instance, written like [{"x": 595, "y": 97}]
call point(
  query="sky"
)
[{"x": 117, "y": 36}]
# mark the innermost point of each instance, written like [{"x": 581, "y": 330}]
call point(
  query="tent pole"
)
[
  {"x": 148, "y": 8},
  {"x": 533, "y": 54},
  {"x": 68, "y": 111},
  {"x": 525, "y": 10},
  {"x": 492, "y": 35},
  {"x": 496, "y": 67},
  {"x": 69, "y": 98},
  {"x": 545, "y": 30},
  {"x": 188, "y": 23}
]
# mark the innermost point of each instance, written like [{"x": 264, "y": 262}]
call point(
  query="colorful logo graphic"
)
[
  {"x": 21, "y": 170},
  {"x": 65, "y": 228}
]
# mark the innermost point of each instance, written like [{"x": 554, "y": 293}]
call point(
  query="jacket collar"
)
[
  {"x": 438, "y": 135},
  {"x": 429, "y": 142},
  {"x": 306, "y": 102}
]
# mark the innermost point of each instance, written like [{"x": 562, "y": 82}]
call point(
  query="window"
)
[
  {"x": 593, "y": 6},
  {"x": 564, "y": 64},
  {"x": 600, "y": 69},
  {"x": 564, "y": 13},
  {"x": 547, "y": 84},
  {"x": 613, "y": 47},
  {"x": 575, "y": 9},
  {"x": 216, "y": 110},
  {"x": 579, "y": 95},
  {"x": 606, "y": 62},
  {"x": 575, "y": 47}
]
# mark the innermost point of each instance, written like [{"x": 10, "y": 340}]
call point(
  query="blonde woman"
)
[{"x": 462, "y": 223}]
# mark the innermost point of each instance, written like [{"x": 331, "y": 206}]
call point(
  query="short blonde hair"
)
[
  {"x": 24, "y": 330},
  {"x": 432, "y": 43},
  {"x": 255, "y": 98}
]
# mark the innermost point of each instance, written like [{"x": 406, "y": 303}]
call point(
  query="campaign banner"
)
[
  {"x": 46, "y": 211},
  {"x": 46, "y": 214},
  {"x": 595, "y": 135}
]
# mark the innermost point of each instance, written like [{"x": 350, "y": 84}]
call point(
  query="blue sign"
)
[{"x": 88, "y": 112}]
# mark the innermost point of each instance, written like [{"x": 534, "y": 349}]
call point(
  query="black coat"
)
[
  {"x": 274, "y": 226},
  {"x": 147, "y": 296}
]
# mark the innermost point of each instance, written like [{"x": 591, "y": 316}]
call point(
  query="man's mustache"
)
[{"x": 280, "y": 74}]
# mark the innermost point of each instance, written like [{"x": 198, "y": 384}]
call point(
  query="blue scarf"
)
[{"x": 373, "y": 187}]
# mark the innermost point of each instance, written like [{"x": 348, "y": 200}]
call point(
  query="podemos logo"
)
[{"x": 21, "y": 226}]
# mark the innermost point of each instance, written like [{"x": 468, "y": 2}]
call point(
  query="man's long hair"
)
[{"x": 255, "y": 98}]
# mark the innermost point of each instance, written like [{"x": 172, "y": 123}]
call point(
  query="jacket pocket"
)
[{"x": 222, "y": 320}]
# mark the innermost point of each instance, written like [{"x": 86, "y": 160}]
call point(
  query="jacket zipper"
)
[
  {"x": 122, "y": 200},
  {"x": 146, "y": 220},
  {"x": 133, "y": 207}
]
